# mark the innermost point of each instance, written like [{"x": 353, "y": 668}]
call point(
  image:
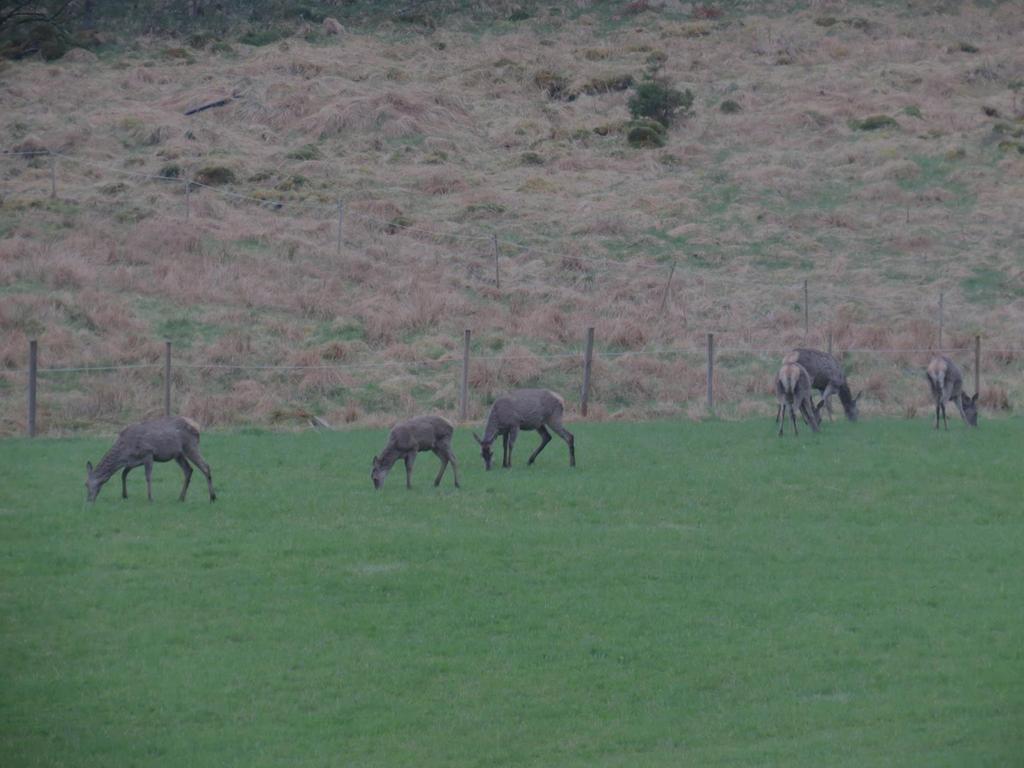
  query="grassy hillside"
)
[
  {"x": 437, "y": 138},
  {"x": 698, "y": 594}
]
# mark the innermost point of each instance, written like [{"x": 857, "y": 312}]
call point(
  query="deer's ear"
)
[{"x": 88, "y": 467}]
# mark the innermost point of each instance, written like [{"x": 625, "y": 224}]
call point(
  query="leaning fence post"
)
[
  {"x": 167, "y": 378},
  {"x": 33, "y": 360},
  {"x": 464, "y": 389},
  {"x": 497, "y": 273},
  {"x": 977, "y": 364},
  {"x": 711, "y": 371},
  {"x": 53, "y": 176},
  {"x": 588, "y": 362}
]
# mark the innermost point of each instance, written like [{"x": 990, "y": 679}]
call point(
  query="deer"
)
[
  {"x": 947, "y": 383},
  {"x": 793, "y": 390},
  {"x": 524, "y": 409},
  {"x": 172, "y": 438},
  {"x": 409, "y": 437},
  {"x": 827, "y": 376}
]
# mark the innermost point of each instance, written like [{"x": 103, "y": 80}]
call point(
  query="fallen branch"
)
[{"x": 209, "y": 105}]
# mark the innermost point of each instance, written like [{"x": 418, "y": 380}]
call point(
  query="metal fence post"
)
[
  {"x": 464, "y": 389},
  {"x": 33, "y": 367},
  {"x": 167, "y": 378},
  {"x": 711, "y": 371},
  {"x": 588, "y": 362}
]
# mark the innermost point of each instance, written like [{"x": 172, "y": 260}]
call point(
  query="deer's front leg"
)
[
  {"x": 149, "y": 477},
  {"x": 410, "y": 458},
  {"x": 124, "y": 482}
]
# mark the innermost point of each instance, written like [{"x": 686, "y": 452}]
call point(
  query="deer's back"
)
[
  {"x": 421, "y": 433},
  {"x": 527, "y": 408},
  {"x": 821, "y": 367},
  {"x": 945, "y": 375},
  {"x": 793, "y": 379},
  {"x": 165, "y": 438}
]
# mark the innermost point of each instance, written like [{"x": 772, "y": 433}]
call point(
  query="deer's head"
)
[
  {"x": 92, "y": 483},
  {"x": 378, "y": 473},
  {"x": 970, "y": 406},
  {"x": 485, "y": 450},
  {"x": 853, "y": 409}
]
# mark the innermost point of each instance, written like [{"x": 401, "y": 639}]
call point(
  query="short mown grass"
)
[{"x": 691, "y": 594}]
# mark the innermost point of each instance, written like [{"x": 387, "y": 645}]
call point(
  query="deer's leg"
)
[
  {"x": 186, "y": 468},
  {"x": 937, "y": 411},
  {"x": 960, "y": 407},
  {"x": 504, "y": 450},
  {"x": 149, "y": 477},
  {"x": 781, "y": 421},
  {"x": 512, "y": 435},
  {"x": 792, "y": 415},
  {"x": 410, "y": 459},
  {"x": 566, "y": 435},
  {"x": 193, "y": 455},
  {"x": 826, "y": 397},
  {"x": 945, "y": 423},
  {"x": 545, "y": 438},
  {"x": 440, "y": 453},
  {"x": 124, "y": 482}
]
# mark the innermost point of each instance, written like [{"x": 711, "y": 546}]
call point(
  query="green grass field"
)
[{"x": 692, "y": 594}]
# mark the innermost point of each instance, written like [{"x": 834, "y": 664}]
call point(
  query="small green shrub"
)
[
  {"x": 913, "y": 111},
  {"x": 170, "y": 171},
  {"x": 518, "y": 15},
  {"x": 530, "y": 158},
  {"x": 730, "y": 107},
  {"x": 215, "y": 175},
  {"x": 874, "y": 123},
  {"x": 657, "y": 100},
  {"x": 258, "y": 37},
  {"x": 826, "y": 21},
  {"x": 646, "y": 134},
  {"x": 305, "y": 152},
  {"x": 968, "y": 47}
]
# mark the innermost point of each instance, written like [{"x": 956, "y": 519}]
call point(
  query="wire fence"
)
[{"x": 713, "y": 379}]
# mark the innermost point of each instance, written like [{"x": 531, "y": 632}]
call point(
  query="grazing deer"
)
[
  {"x": 947, "y": 383},
  {"x": 827, "y": 377},
  {"x": 409, "y": 437},
  {"x": 527, "y": 409},
  {"x": 142, "y": 444},
  {"x": 793, "y": 390}
]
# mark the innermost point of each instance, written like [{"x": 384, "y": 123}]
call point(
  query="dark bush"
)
[
  {"x": 646, "y": 134},
  {"x": 874, "y": 123},
  {"x": 730, "y": 107},
  {"x": 215, "y": 175},
  {"x": 657, "y": 100}
]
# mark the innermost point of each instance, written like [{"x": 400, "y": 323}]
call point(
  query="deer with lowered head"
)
[
  {"x": 409, "y": 437},
  {"x": 947, "y": 383},
  {"x": 524, "y": 409},
  {"x": 793, "y": 390},
  {"x": 827, "y": 376},
  {"x": 140, "y": 445}
]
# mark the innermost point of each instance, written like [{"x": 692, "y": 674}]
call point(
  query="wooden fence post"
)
[
  {"x": 497, "y": 273},
  {"x": 341, "y": 220},
  {"x": 33, "y": 367},
  {"x": 464, "y": 389},
  {"x": 188, "y": 198},
  {"x": 588, "y": 362},
  {"x": 941, "y": 319},
  {"x": 806, "y": 315},
  {"x": 167, "y": 378},
  {"x": 711, "y": 371},
  {"x": 977, "y": 364}
]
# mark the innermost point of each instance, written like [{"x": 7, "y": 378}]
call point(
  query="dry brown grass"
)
[{"x": 425, "y": 147}]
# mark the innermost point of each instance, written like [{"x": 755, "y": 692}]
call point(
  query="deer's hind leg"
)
[
  {"x": 444, "y": 452},
  {"x": 193, "y": 455},
  {"x": 545, "y": 438},
  {"x": 566, "y": 435},
  {"x": 186, "y": 468},
  {"x": 124, "y": 482},
  {"x": 512, "y": 435},
  {"x": 148, "y": 464}
]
